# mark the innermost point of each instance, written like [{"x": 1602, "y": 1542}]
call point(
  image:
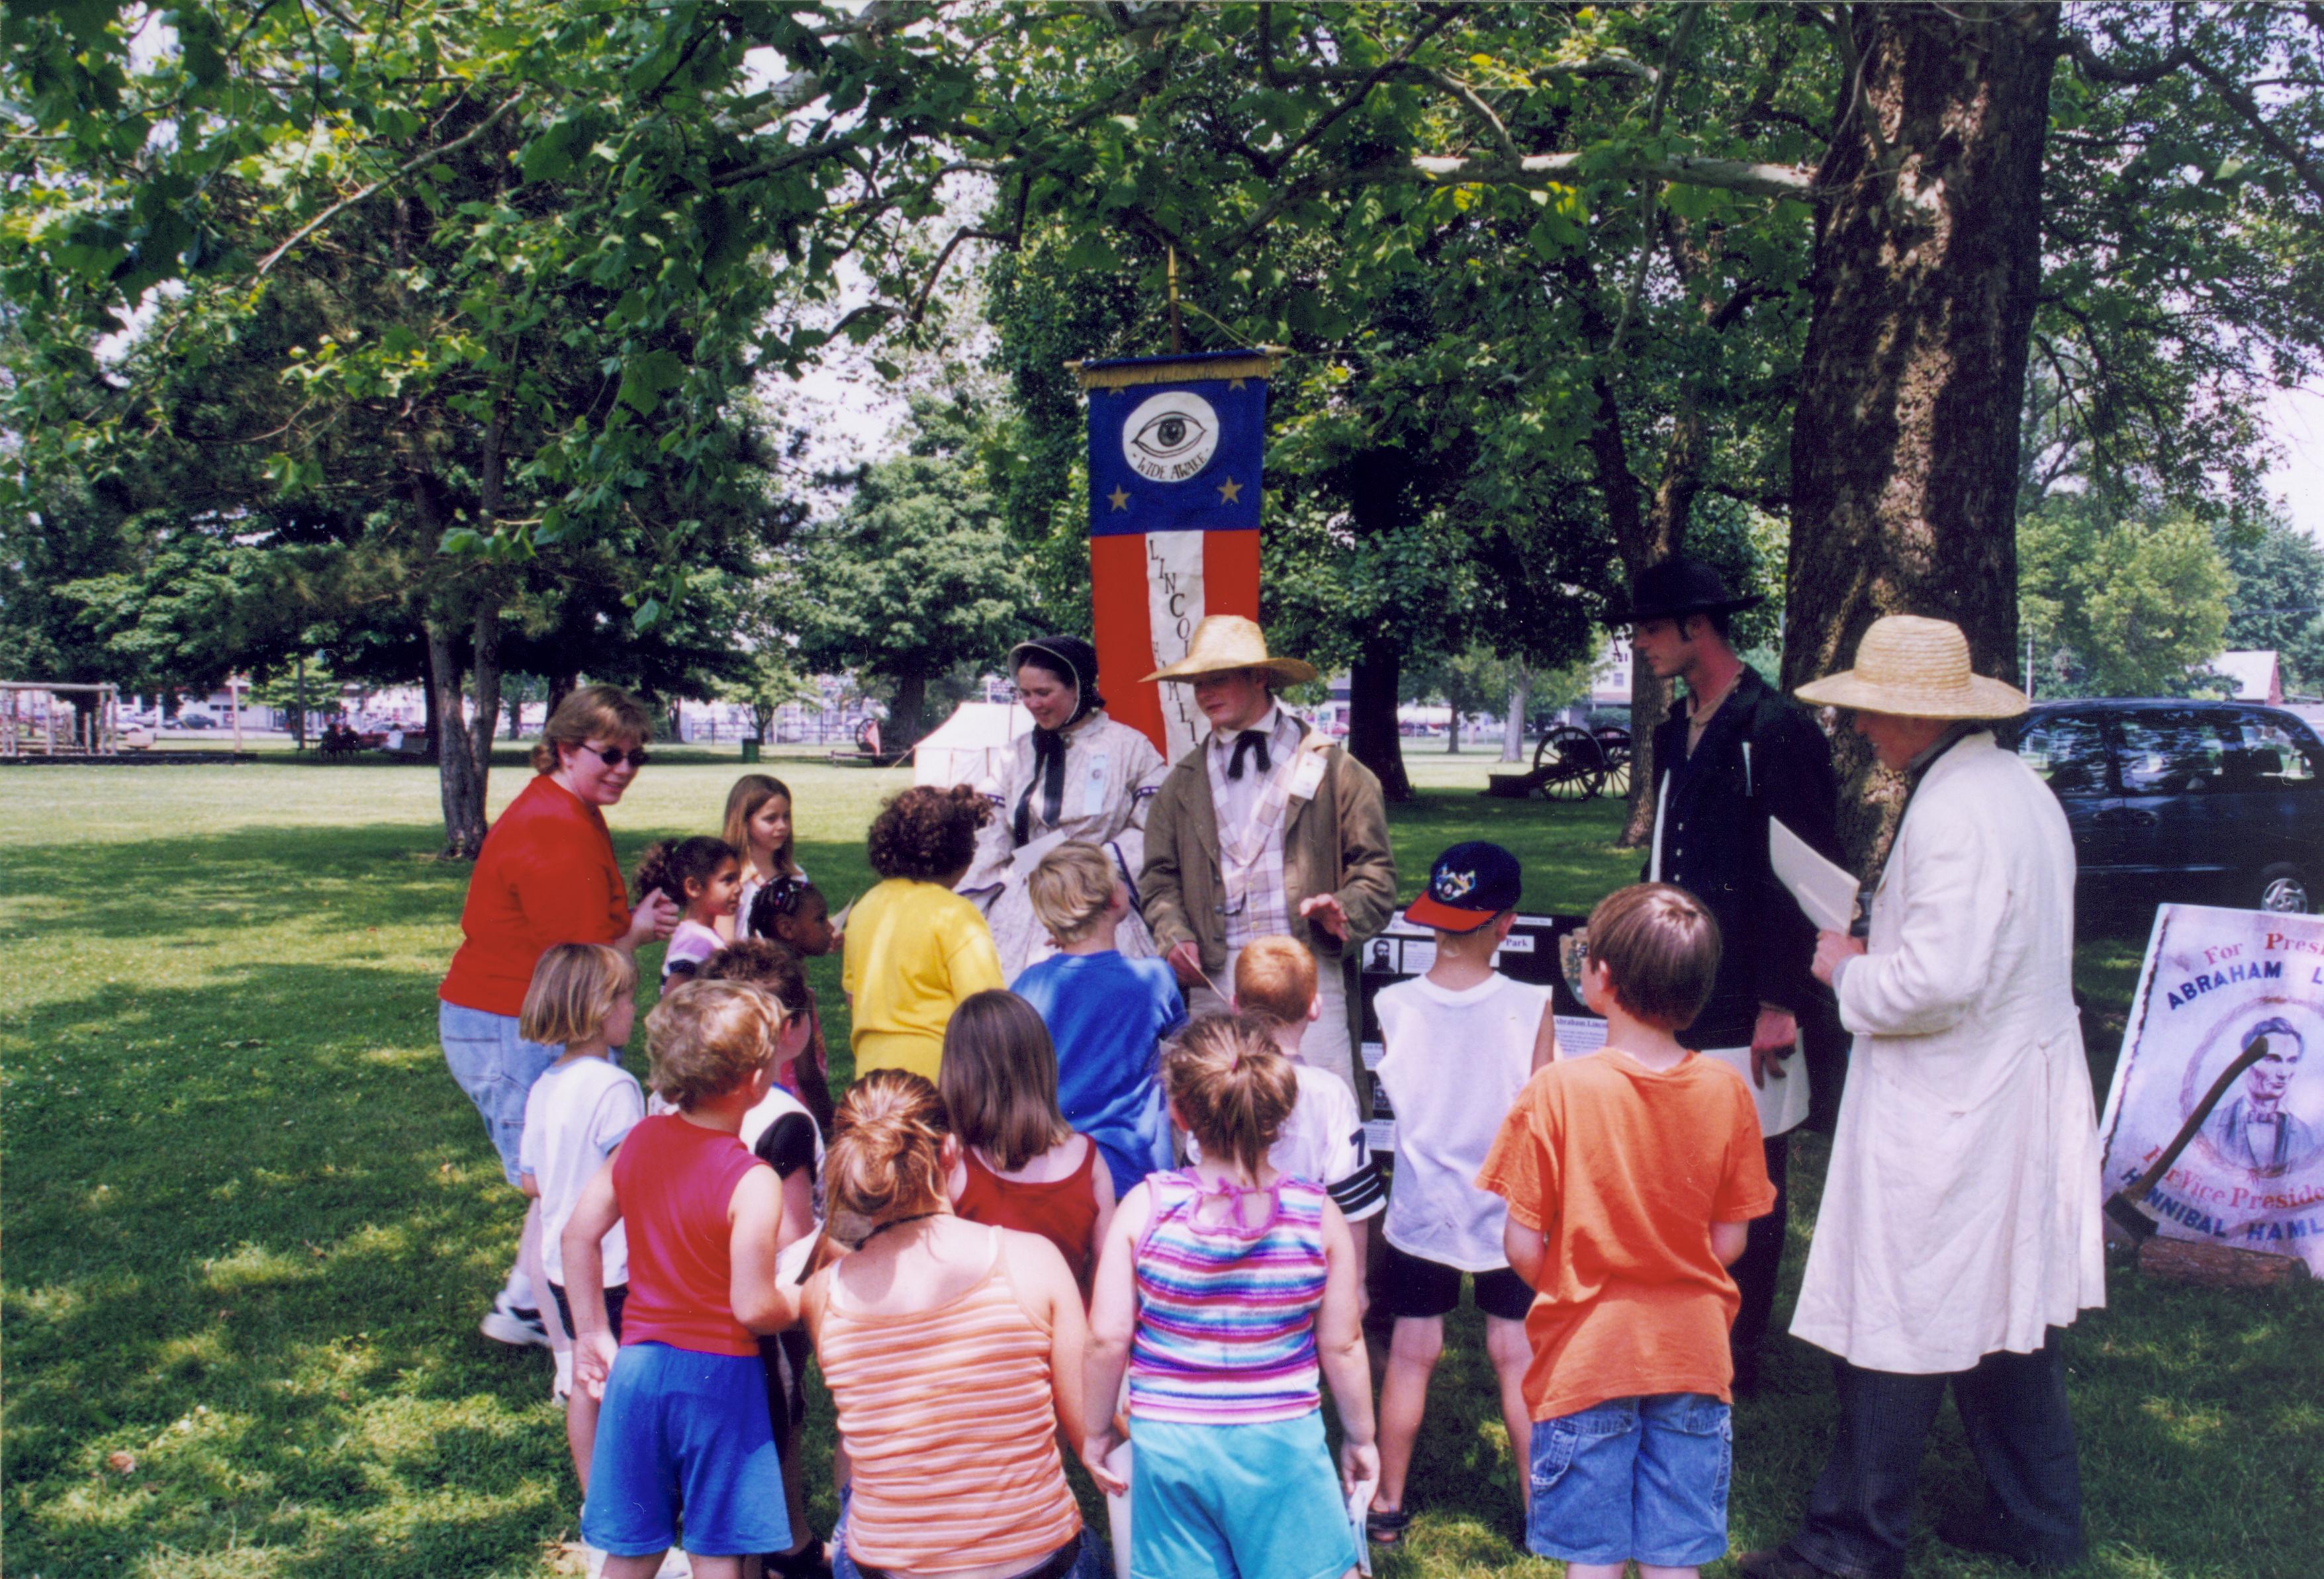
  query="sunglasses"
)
[{"x": 615, "y": 755}]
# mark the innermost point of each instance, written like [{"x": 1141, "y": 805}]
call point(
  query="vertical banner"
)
[
  {"x": 1174, "y": 449},
  {"x": 2215, "y": 983}
]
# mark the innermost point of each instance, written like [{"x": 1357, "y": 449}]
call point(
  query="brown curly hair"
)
[{"x": 926, "y": 834}]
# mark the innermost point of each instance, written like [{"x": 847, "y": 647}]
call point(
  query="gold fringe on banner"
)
[{"x": 1260, "y": 366}]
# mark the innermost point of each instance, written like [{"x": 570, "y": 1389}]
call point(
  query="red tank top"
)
[
  {"x": 674, "y": 1181},
  {"x": 1063, "y": 1211}
]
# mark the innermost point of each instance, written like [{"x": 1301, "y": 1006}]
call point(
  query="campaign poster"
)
[
  {"x": 1175, "y": 445},
  {"x": 2214, "y": 982}
]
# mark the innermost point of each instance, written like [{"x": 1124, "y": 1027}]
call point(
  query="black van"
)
[{"x": 2219, "y": 803}]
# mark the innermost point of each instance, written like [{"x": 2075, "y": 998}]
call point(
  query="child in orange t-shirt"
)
[{"x": 1631, "y": 1176}]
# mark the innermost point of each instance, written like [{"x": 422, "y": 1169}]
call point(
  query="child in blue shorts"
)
[
  {"x": 684, "y": 1420},
  {"x": 1227, "y": 1287},
  {"x": 1630, "y": 1177}
]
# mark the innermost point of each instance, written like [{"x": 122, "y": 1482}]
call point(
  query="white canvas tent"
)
[{"x": 971, "y": 746}]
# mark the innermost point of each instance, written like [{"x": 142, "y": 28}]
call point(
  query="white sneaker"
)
[
  {"x": 509, "y": 1324},
  {"x": 560, "y": 1384}
]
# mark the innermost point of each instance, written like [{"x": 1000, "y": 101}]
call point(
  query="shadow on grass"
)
[{"x": 252, "y": 1261}]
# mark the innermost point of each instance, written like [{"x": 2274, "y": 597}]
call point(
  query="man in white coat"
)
[{"x": 1961, "y": 1222}]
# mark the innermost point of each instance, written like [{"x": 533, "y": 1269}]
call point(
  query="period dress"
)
[
  {"x": 1960, "y": 1213},
  {"x": 1112, "y": 772}
]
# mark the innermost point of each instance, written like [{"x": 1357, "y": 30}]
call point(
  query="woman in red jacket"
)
[{"x": 546, "y": 875}]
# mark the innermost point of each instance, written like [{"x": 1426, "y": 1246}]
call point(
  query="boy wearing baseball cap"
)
[{"x": 1460, "y": 1044}]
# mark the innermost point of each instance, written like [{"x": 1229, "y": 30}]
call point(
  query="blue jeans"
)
[
  {"x": 1093, "y": 1561},
  {"x": 1634, "y": 1478},
  {"x": 496, "y": 1068}
]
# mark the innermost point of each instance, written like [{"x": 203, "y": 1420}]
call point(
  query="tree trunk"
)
[
  {"x": 1452, "y": 727},
  {"x": 516, "y": 718},
  {"x": 907, "y": 719},
  {"x": 1520, "y": 699},
  {"x": 460, "y": 786},
  {"x": 1904, "y": 439},
  {"x": 1372, "y": 739},
  {"x": 485, "y": 655},
  {"x": 560, "y": 686},
  {"x": 432, "y": 718}
]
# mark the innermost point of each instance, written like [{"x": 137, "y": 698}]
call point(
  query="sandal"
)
[{"x": 1386, "y": 1529}]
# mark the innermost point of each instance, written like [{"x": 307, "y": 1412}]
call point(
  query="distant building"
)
[
  {"x": 2255, "y": 673},
  {"x": 1609, "y": 682}
]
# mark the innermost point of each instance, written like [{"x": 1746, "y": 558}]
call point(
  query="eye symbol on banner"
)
[{"x": 1170, "y": 436}]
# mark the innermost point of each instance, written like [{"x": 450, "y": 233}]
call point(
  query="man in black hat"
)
[{"x": 1733, "y": 754}]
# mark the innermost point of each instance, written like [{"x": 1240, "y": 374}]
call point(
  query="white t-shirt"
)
[
  {"x": 576, "y": 1113},
  {"x": 1322, "y": 1143},
  {"x": 1452, "y": 1065},
  {"x": 689, "y": 946},
  {"x": 780, "y": 1132}
]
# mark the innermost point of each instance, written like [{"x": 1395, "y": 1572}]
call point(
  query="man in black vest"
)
[{"x": 1733, "y": 754}]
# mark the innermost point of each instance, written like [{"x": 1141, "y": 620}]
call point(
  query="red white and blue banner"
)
[{"x": 1174, "y": 450}]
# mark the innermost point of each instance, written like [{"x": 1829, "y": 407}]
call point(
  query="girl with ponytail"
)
[
  {"x": 954, "y": 1352},
  {"x": 1226, "y": 1288}
]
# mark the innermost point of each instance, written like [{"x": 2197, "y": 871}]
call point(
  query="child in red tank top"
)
[
  {"x": 682, "y": 1423},
  {"x": 1021, "y": 1166}
]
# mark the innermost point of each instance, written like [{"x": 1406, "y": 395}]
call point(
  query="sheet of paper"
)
[
  {"x": 1359, "y": 1502},
  {"x": 1827, "y": 894}
]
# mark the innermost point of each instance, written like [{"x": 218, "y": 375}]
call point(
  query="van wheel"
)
[{"x": 2283, "y": 889}]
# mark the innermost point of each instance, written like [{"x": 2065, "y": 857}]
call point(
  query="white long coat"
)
[
  {"x": 1111, "y": 774},
  {"x": 1961, "y": 1214}
]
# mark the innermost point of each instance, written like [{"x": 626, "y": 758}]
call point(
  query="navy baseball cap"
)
[{"x": 1469, "y": 886}]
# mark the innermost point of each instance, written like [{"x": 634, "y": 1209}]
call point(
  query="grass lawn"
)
[{"x": 250, "y": 1222}]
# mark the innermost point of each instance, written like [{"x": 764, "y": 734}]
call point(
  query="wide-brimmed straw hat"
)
[
  {"x": 1225, "y": 643},
  {"x": 1916, "y": 667}
]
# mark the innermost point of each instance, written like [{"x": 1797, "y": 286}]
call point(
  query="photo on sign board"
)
[{"x": 2217, "y": 987}]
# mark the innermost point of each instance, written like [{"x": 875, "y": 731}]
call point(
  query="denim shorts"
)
[
  {"x": 496, "y": 1068},
  {"x": 1634, "y": 1478},
  {"x": 681, "y": 1429},
  {"x": 1087, "y": 1560}
]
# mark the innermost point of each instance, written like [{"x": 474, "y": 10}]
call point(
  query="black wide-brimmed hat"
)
[{"x": 1679, "y": 587}]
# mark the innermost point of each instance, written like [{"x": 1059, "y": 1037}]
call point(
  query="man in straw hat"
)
[
  {"x": 1959, "y": 1228},
  {"x": 1265, "y": 827},
  {"x": 1734, "y": 754}
]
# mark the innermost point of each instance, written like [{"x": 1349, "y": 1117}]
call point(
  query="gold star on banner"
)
[
  {"x": 1119, "y": 497},
  {"x": 1230, "y": 492},
  {"x": 1234, "y": 384}
]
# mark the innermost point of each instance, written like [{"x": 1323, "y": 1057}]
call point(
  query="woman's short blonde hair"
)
[
  {"x": 1070, "y": 890},
  {"x": 707, "y": 1037},
  {"x": 604, "y": 712},
  {"x": 573, "y": 991}
]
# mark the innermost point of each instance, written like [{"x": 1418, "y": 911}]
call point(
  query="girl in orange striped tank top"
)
[{"x": 954, "y": 1352}]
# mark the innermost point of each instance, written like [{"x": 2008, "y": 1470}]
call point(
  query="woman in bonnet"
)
[{"x": 1078, "y": 777}]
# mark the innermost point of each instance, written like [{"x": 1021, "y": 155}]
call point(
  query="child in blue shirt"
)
[{"x": 1107, "y": 1014}]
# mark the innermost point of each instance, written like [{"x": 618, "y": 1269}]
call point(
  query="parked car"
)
[{"x": 2207, "y": 802}]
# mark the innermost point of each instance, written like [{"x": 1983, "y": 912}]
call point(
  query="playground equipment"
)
[{"x": 30, "y": 721}]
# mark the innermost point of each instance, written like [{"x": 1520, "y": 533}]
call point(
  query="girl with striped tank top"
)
[
  {"x": 954, "y": 1352},
  {"x": 1229, "y": 1291}
]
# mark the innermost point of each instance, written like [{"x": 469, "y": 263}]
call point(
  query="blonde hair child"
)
[
  {"x": 1018, "y": 1164},
  {"x": 704, "y": 1217},
  {"x": 758, "y": 825},
  {"x": 582, "y": 997},
  {"x": 1225, "y": 1288},
  {"x": 1107, "y": 1014},
  {"x": 1324, "y": 1139},
  {"x": 953, "y": 1350}
]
